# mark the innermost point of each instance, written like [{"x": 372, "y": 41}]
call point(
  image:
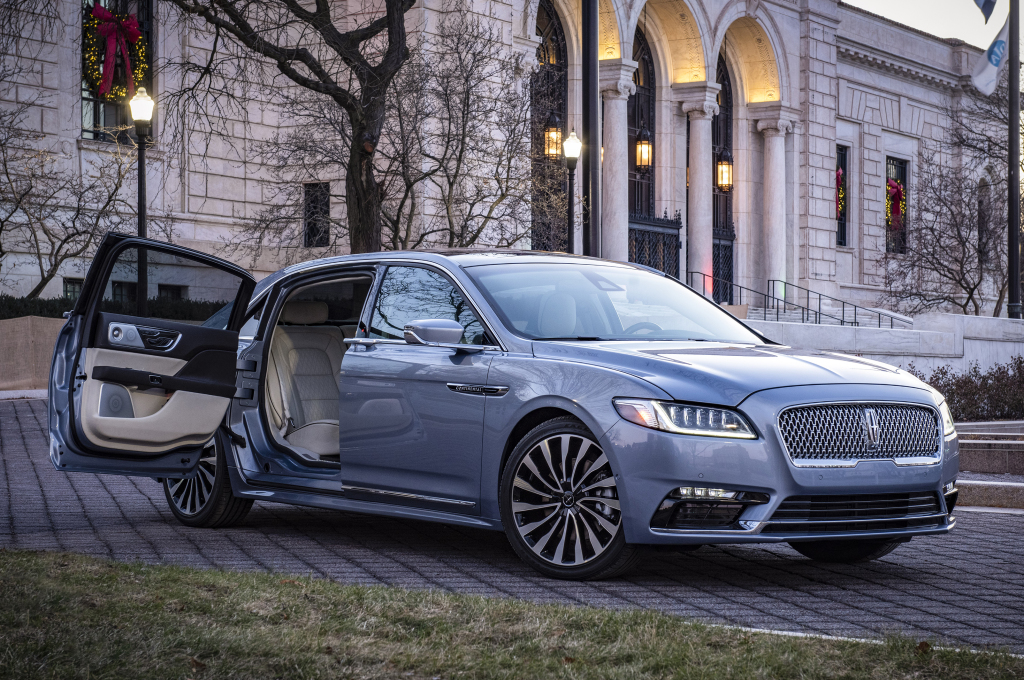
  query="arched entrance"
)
[
  {"x": 549, "y": 94},
  {"x": 722, "y": 228},
  {"x": 653, "y": 240}
]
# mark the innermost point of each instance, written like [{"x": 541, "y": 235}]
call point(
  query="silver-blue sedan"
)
[{"x": 586, "y": 408}]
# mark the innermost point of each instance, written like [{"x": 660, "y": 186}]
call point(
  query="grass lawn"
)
[{"x": 67, "y": 616}]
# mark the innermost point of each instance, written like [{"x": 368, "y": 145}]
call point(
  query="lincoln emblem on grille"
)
[{"x": 872, "y": 428}]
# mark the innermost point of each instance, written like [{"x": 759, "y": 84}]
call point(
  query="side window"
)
[
  {"x": 413, "y": 293},
  {"x": 171, "y": 287}
]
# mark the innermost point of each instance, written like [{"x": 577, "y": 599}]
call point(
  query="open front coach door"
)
[{"x": 144, "y": 370}]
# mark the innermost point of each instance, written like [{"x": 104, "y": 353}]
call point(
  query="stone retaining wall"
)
[{"x": 26, "y": 348}]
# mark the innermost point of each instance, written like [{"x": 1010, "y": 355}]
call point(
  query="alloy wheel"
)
[
  {"x": 565, "y": 501},
  {"x": 191, "y": 495}
]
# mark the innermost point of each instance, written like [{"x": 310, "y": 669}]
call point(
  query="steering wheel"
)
[{"x": 642, "y": 326}]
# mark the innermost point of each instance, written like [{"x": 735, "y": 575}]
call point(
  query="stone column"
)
[
  {"x": 679, "y": 180},
  {"x": 700, "y": 205},
  {"x": 774, "y": 132},
  {"x": 616, "y": 87},
  {"x": 698, "y": 102}
]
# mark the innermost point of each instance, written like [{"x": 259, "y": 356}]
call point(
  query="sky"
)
[{"x": 944, "y": 18}]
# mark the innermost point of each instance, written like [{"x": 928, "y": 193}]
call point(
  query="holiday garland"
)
[{"x": 106, "y": 35}]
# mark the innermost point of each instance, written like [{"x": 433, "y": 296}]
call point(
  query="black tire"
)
[
  {"x": 198, "y": 503},
  {"x": 585, "y": 519},
  {"x": 845, "y": 552}
]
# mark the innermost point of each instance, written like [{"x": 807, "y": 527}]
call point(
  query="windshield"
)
[{"x": 601, "y": 302}]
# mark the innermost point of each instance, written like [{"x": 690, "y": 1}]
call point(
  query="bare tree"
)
[
  {"x": 955, "y": 242},
  {"x": 253, "y": 43},
  {"x": 454, "y": 161},
  {"x": 53, "y": 213}
]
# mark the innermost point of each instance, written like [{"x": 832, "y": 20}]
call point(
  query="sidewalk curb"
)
[
  {"x": 22, "y": 394},
  {"x": 990, "y": 494}
]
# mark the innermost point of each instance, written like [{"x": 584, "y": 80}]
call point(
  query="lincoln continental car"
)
[{"x": 586, "y": 408}]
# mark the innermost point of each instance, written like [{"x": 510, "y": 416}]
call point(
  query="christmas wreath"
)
[{"x": 105, "y": 37}]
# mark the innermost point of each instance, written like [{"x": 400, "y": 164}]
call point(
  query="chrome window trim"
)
[{"x": 853, "y": 462}]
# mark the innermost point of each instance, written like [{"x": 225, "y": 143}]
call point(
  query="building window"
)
[
  {"x": 123, "y": 292},
  {"x": 99, "y": 114},
  {"x": 72, "y": 288},
  {"x": 640, "y": 114},
  {"x": 549, "y": 94},
  {"x": 168, "y": 292},
  {"x": 316, "y": 224},
  {"x": 723, "y": 232},
  {"x": 895, "y": 205},
  {"x": 841, "y": 194}
]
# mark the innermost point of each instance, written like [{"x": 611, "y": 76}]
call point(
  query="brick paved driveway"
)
[{"x": 966, "y": 588}]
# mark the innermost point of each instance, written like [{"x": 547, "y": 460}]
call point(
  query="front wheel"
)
[
  {"x": 205, "y": 500},
  {"x": 845, "y": 552},
  {"x": 560, "y": 504}
]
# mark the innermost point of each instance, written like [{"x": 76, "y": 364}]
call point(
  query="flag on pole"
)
[
  {"x": 986, "y": 74},
  {"x": 986, "y": 7}
]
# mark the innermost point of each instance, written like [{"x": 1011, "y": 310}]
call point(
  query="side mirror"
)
[{"x": 433, "y": 331}]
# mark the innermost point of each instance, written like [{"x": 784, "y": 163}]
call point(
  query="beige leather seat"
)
[{"x": 302, "y": 376}]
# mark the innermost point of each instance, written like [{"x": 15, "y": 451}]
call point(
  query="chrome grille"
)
[
  {"x": 841, "y": 432},
  {"x": 856, "y": 513}
]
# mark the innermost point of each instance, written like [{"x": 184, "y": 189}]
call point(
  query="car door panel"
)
[
  {"x": 406, "y": 437},
  {"x": 407, "y": 430},
  {"x": 141, "y": 394}
]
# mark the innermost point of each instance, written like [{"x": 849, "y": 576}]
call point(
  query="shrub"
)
[
  {"x": 996, "y": 394},
  {"x": 12, "y": 307}
]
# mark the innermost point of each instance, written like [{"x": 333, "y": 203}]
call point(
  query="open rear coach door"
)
[{"x": 144, "y": 370}]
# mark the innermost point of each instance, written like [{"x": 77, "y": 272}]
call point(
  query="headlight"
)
[
  {"x": 684, "y": 418},
  {"x": 947, "y": 419}
]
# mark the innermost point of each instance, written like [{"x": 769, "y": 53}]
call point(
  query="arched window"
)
[
  {"x": 549, "y": 92},
  {"x": 723, "y": 232},
  {"x": 640, "y": 114}
]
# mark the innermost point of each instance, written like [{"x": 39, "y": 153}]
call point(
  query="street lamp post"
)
[
  {"x": 572, "y": 147},
  {"x": 142, "y": 113},
  {"x": 1013, "y": 223}
]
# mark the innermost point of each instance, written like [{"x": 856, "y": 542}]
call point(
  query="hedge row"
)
[
  {"x": 12, "y": 307},
  {"x": 160, "y": 308},
  {"x": 973, "y": 395}
]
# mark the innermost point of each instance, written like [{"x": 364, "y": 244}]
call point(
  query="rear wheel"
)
[
  {"x": 845, "y": 552},
  {"x": 205, "y": 500},
  {"x": 560, "y": 504}
]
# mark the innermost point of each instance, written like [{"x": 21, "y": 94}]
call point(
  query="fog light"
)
[
  {"x": 950, "y": 494},
  {"x": 696, "y": 507}
]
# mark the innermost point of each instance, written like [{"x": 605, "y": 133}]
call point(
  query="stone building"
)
[{"x": 789, "y": 90}]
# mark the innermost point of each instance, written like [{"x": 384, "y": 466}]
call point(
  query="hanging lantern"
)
[
  {"x": 644, "y": 150},
  {"x": 725, "y": 171},
  {"x": 553, "y": 137}
]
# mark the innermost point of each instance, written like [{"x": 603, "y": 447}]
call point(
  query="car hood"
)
[{"x": 726, "y": 373}]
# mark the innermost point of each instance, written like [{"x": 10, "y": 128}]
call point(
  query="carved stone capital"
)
[
  {"x": 620, "y": 89},
  {"x": 616, "y": 78},
  {"x": 697, "y": 100},
  {"x": 774, "y": 128},
  {"x": 700, "y": 111}
]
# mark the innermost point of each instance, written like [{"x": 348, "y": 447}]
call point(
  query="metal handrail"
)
[
  {"x": 780, "y": 306},
  {"x": 843, "y": 305}
]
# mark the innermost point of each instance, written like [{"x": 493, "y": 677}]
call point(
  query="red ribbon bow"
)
[
  {"x": 839, "y": 186},
  {"x": 118, "y": 32},
  {"x": 896, "y": 191}
]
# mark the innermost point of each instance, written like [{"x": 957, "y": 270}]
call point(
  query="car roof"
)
[{"x": 463, "y": 257}]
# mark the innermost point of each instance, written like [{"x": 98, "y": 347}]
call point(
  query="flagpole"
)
[{"x": 1013, "y": 198}]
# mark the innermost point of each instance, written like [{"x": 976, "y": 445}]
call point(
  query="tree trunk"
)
[
  {"x": 35, "y": 292},
  {"x": 362, "y": 195}
]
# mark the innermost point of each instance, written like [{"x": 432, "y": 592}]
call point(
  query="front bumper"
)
[{"x": 650, "y": 464}]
